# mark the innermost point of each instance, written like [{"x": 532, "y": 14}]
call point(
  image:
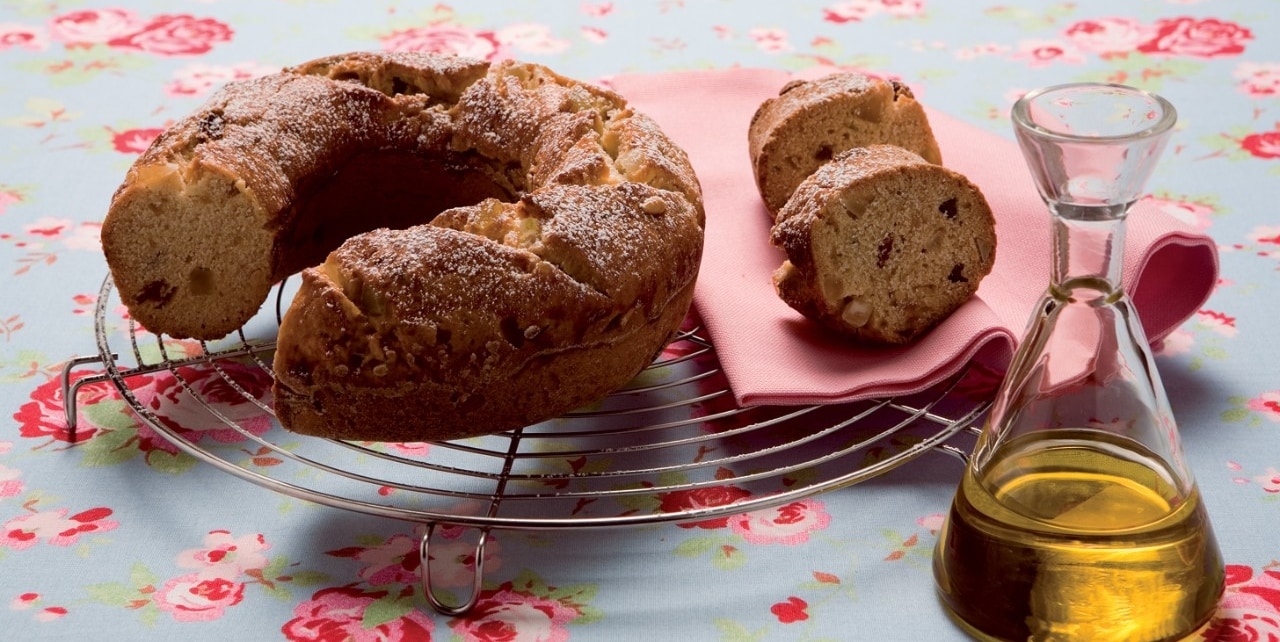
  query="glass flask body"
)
[{"x": 1077, "y": 517}]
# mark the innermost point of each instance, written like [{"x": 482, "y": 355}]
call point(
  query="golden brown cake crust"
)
[
  {"x": 562, "y": 260},
  {"x": 882, "y": 245},
  {"x": 811, "y": 121}
]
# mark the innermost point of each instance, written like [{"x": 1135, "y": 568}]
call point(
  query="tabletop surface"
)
[{"x": 119, "y": 536}]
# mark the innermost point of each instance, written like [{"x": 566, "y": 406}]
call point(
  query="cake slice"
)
[
  {"x": 810, "y": 122},
  {"x": 882, "y": 245}
]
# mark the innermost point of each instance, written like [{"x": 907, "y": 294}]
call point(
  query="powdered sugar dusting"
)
[{"x": 611, "y": 226}]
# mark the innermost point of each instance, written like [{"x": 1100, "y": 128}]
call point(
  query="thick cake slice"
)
[
  {"x": 882, "y": 244},
  {"x": 810, "y": 122}
]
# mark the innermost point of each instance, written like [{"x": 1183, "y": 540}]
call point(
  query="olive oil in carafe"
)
[{"x": 1074, "y": 536}]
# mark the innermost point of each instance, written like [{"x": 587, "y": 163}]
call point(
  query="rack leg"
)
[
  {"x": 72, "y": 388},
  {"x": 428, "y": 590}
]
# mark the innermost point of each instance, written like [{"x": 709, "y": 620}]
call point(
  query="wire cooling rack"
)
[{"x": 672, "y": 445}]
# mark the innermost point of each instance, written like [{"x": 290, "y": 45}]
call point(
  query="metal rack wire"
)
[{"x": 639, "y": 456}]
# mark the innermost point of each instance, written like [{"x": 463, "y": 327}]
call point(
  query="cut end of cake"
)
[
  {"x": 207, "y": 290},
  {"x": 811, "y": 122},
  {"x": 883, "y": 245}
]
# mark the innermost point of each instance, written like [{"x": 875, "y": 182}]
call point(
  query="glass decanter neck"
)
[{"x": 1088, "y": 250}]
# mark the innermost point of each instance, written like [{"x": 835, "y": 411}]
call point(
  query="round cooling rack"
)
[{"x": 635, "y": 457}]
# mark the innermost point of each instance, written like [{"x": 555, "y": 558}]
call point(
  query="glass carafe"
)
[{"x": 1077, "y": 517}]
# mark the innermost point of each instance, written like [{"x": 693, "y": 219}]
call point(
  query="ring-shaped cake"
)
[{"x": 482, "y": 246}]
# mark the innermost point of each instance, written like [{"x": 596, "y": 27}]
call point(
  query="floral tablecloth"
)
[{"x": 116, "y": 535}]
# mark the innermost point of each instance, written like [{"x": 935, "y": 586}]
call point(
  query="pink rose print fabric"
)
[
  {"x": 505, "y": 614},
  {"x": 35, "y": 602},
  {"x": 1262, "y": 144},
  {"x": 225, "y": 555},
  {"x": 22, "y": 36},
  {"x": 398, "y": 560},
  {"x": 445, "y": 40},
  {"x": 175, "y": 35},
  {"x": 1258, "y": 81},
  {"x": 119, "y": 28},
  {"x": 10, "y": 482},
  {"x": 197, "y": 80},
  {"x": 191, "y": 598},
  {"x": 167, "y": 397},
  {"x": 1203, "y": 38},
  {"x": 1251, "y": 608},
  {"x": 706, "y": 497},
  {"x": 1108, "y": 36},
  {"x": 44, "y": 415},
  {"x": 790, "y": 524},
  {"x": 94, "y": 26},
  {"x": 134, "y": 141},
  {"x": 338, "y": 614},
  {"x": 55, "y": 528}
]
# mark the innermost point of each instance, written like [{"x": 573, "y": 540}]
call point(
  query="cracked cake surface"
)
[{"x": 481, "y": 246}]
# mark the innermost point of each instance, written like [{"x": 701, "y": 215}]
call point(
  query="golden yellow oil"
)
[{"x": 1076, "y": 538}]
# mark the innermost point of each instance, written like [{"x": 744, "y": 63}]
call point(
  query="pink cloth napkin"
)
[{"x": 772, "y": 355}]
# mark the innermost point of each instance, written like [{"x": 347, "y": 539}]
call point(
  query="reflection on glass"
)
[{"x": 1077, "y": 518}]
